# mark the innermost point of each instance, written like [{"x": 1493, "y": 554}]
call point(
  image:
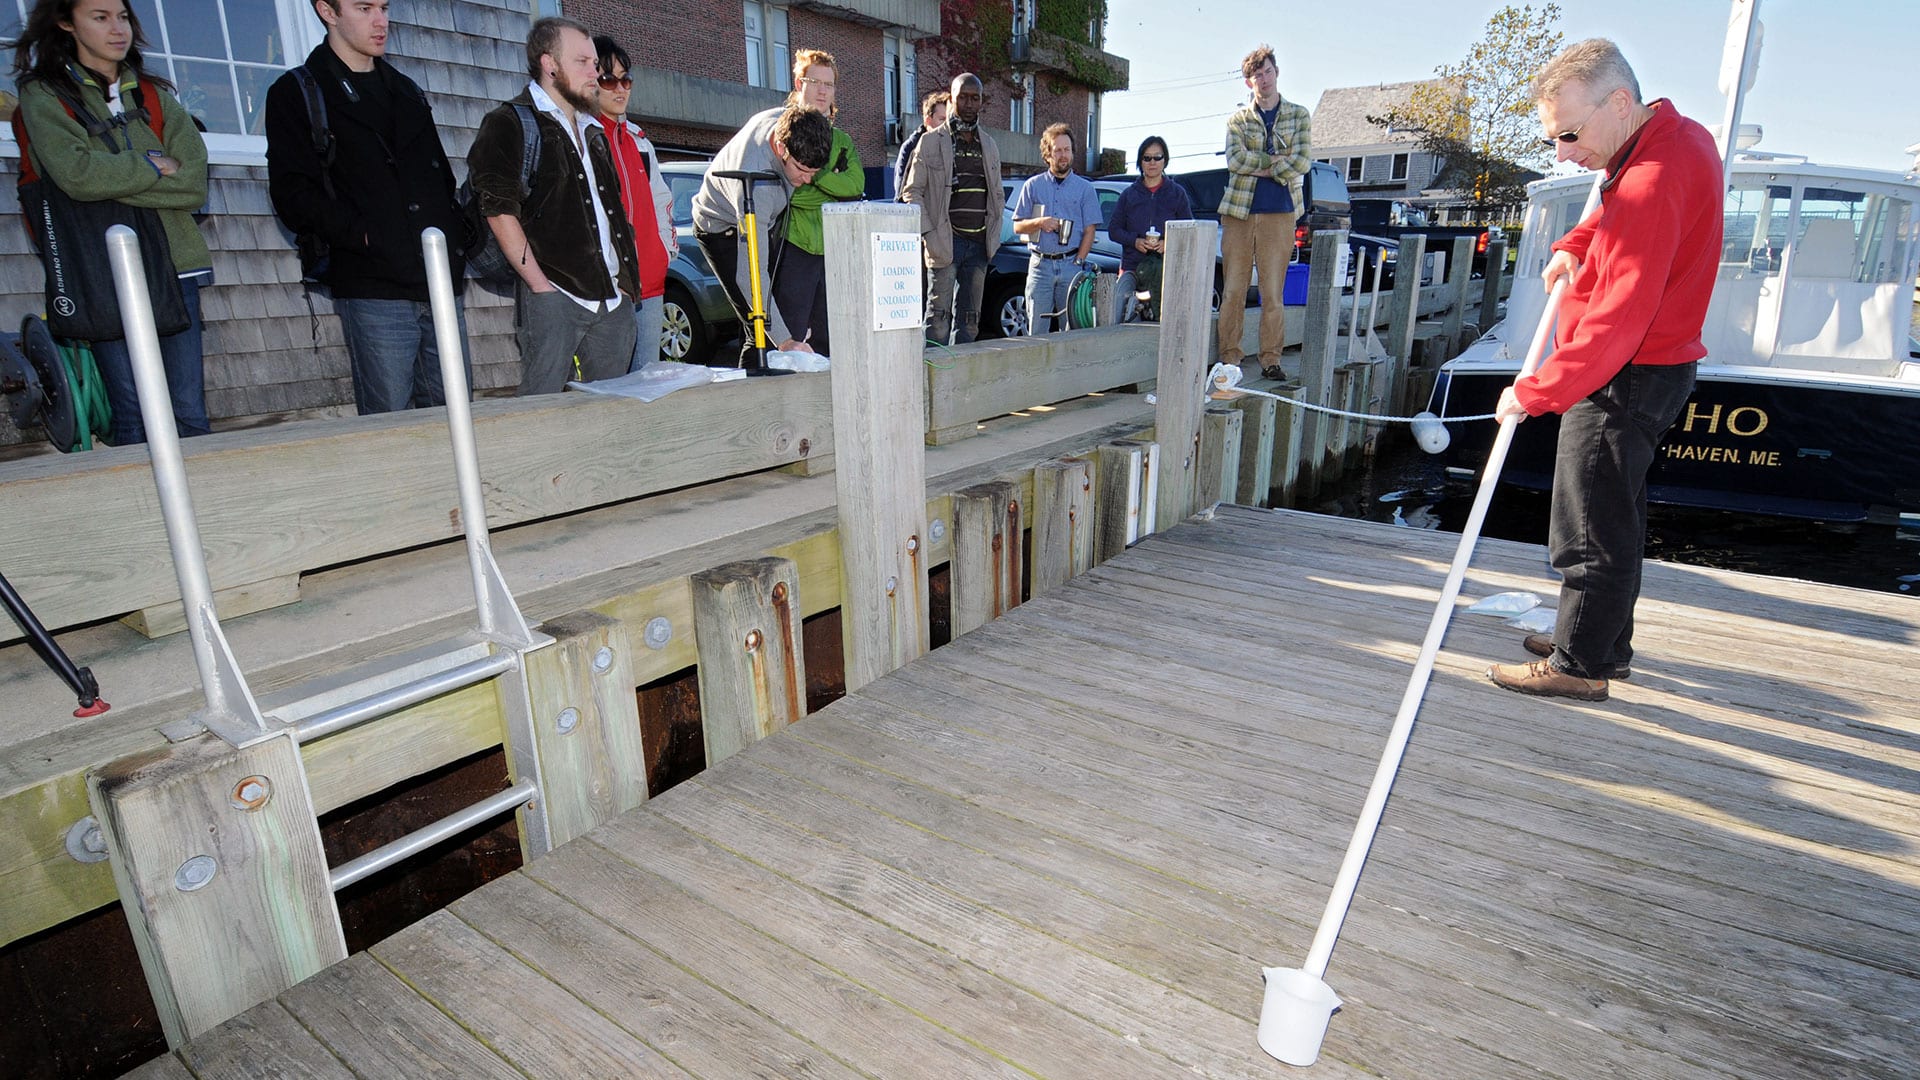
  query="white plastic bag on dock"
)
[
  {"x": 796, "y": 360},
  {"x": 1538, "y": 621},
  {"x": 652, "y": 382},
  {"x": 1506, "y": 603}
]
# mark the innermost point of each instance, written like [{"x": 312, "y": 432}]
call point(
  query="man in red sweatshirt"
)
[{"x": 1639, "y": 274}]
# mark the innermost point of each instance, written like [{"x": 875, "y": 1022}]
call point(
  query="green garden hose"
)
[
  {"x": 1080, "y": 300},
  {"x": 92, "y": 415}
]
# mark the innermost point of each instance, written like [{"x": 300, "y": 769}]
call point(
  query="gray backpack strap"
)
[{"x": 529, "y": 148}]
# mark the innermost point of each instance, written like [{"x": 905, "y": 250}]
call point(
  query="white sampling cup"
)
[{"x": 1293, "y": 1018}]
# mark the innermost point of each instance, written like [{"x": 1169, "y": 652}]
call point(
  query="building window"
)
[
  {"x": 902, "y": 92},
  {"x": 1354, "y": 168},
  {"x": 1399, "y": 174},
  {"x": 1020, "y": 109},
  {"x": 767, "y": 60},
  {"x": 221, "y": 57},
  {"x": 1092, "y": 143}
]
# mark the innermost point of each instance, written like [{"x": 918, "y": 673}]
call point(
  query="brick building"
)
[{"x": 701, "y": 67}]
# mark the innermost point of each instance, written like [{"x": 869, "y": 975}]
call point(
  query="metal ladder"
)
[{"x": 495, "y": 648}]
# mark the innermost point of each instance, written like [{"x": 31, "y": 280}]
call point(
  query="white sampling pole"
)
[{"x": 1298, "y": 1004}]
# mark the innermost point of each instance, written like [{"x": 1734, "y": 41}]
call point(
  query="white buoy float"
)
[{"x": 1430, "y": 432}]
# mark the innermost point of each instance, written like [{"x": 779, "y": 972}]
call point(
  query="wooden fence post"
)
[
  {"x": 1338, "y": 429},
  {"x": 1287, "y": 454},
  {"x": 1459, "y": 273},
  {"x": 1489, "y": 312},
  {"x": 586, "y": 724},
  {"x": 880, "y": 464},
  {"x": 1221, "y": 429},
  {"x": 753, "y": 675},
  {"x": 1125, "y": 503},
  {"x": 1403, "y": 311},
  {"x": 1062, "y": 521},
  {"x": 986, "y": 555},
  {"x": 1318, "y": 353},
  {"x": 221, "y": 875},
  {"x": 1258, "y": 419},
  {"x": 1186, "y": 286}
]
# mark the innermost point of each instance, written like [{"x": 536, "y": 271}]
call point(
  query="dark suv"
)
[{"x": 1324, "y": 191}]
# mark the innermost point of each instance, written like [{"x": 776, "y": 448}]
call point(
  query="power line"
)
[
  {"x": 1185, "y": 79},
  {"x": 1221, "y": 116}
]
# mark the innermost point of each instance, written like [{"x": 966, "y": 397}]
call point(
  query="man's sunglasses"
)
[
  {"x": 616, "y": 82},
  {"x": 1573, "y": 135}
]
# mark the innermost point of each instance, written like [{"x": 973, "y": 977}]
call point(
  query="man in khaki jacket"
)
[{"x": 955, "y": 180}]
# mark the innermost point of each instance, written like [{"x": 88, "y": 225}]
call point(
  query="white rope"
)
[{"x": 1227, "y": 377}]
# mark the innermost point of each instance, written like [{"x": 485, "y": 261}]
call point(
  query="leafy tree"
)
[{"x": 1477, "y": 116}]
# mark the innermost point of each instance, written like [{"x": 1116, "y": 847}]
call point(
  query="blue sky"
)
[{"x": 1839, "y": 80}]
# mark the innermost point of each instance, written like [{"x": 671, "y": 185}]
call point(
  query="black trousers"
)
[
  {"x": 1597, "y": 535},
  {"x": 800, "y": 288},
  {"x": 723, "y": 254}
]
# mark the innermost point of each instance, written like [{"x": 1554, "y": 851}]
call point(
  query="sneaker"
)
[
  {"x": 1272, "y": 371},
  {"x": 1542, "y": 645},
  {"x": 1539, "y": 678}
]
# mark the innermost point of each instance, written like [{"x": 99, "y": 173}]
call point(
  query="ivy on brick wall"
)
[
  {"x": 1070, "y": 19},
  {"x": 977, "y": 36}
]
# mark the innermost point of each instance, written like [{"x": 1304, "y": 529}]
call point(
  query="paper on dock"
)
[{"x": 656, "y": 380}]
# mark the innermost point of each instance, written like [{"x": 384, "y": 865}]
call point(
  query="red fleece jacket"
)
[{"x": 1648, "y": 259}]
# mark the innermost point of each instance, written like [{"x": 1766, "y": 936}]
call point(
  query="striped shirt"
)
[{"x": 967, "y": 205}]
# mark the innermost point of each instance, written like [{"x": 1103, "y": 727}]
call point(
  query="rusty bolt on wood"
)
[
  {"x": 779, "y": 592},
  {"x": 195, "y": 873},
  {"x": 251, "y": 793},
  {"x": 913, "y": 545},
  {"x": 753, "y": 641},
  {"x": 892, "y": 585}
]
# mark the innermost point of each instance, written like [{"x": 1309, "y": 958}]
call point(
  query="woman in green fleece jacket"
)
[
  {"x": 799, "y": 282},
  {"x": 89, "y": 50}
]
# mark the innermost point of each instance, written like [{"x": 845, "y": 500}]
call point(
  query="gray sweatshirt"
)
[{"x": 719, "y": 205}]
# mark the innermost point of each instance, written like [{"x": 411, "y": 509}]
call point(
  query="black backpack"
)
[
  {"x": 485, "y": 260},
  {"x": 314, "y": 251}
]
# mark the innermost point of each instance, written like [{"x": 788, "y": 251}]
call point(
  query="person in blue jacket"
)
[{"x": 1140, "y": 219}]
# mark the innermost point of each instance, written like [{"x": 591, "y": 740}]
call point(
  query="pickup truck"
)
[{"x": 1379, "y": 223}]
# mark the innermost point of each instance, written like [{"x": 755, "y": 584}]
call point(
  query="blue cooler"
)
[{"x": 1295, "y": 292}]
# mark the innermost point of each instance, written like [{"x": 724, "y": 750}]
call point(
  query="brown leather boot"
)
[
  {"x": 1542, "y": 645},
  {"x": 1540, "y": 679}
]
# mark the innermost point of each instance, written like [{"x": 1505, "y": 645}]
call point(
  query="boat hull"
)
[{"x": 1764, "y": 442}]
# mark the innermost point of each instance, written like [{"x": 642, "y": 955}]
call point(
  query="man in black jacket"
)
[
  {"x": 358, "y": 197},
  {"x": 567, "y": 236}
]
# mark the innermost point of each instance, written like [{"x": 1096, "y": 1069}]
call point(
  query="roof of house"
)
[{"x": 1341, "y": 117}]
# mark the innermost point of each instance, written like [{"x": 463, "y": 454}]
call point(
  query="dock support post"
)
[
  {"x": 214, "y": 846},
  {"x": 1459, "y": 273},
  {"x": 986, "y": 555},
  {"x": 1489, "y": 312},
  {"x": 1319, "y": 355},
  {"x": 1403, "y": 311},
  {"x": 1186, "y": 286},
  {"x": 1287, "y": 453},
  {"x": 1255, "y": 479},
  {"x": 1062, "y": 521},
  {"x": 1221, "y": 428},
  {"x": 746, "y": 631},
  {"x": 880, "y": 463},
  {"x": 1339, "y": 429},
  {"x": 586, "y": 724},
  {"x": 1127, "y": 470}
]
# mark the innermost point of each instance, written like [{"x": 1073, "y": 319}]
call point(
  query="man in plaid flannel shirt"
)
[{"x": 1267, "y": 147}]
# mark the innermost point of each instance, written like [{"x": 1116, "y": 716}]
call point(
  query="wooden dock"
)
[{"x": 1065, "y": 845}]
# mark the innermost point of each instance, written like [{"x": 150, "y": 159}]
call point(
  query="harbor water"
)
[{"x": 1406, "y": 487}]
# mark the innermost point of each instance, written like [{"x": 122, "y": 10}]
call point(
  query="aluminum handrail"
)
[
  {"x": 425, "y": 837},
  {"x": 374, "y": 706}
]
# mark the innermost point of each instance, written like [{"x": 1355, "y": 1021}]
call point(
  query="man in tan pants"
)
[{"x": 1267, "y": 153}]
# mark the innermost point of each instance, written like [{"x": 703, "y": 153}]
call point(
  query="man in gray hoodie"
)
[{"x": 791, "y": 143}]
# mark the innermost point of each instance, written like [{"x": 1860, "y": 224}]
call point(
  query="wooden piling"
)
[
  {"x": 1459, "y": 273},
  {"x": 586, "y": 724},
  {"x": 1125, "y": 504},
  {"x": 1062, "y": 521},
  {"x": 985, "y": 582},
  {"x": 1337, "y": 429},
  {"x": 1287, "y": 435},
  {"x": 1185, "y": 317},
  {"x": 214, "y": 846},
  {"x": 1319, "y": 354},
  {"x": 1255, "y": 479},
  {"x": 1221, "y": 429},
  {"x": 879, "y": 406},
  {"x": 1489, "y": 312},
  {"x": 753, "y": 677},
  {"x": 1403, "y": 311}
]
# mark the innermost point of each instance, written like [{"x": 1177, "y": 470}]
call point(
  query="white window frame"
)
[
  {"x": 899, "y": 82},
  {"x": 1020, "y": 109},
  {"x": 1092, "y": 151},
  {"x": 774, "y": 45},
  {"x": 301, "y": 31},
  {"x": 1356, "y": 169},
  {"x": 1402, "y": 166}
]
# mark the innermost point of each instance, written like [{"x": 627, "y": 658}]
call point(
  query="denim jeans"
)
[
  {"x": 649, "y": 316},
  {"x": 180, "y": 356},
  {"x": 1047, "y": 285},
  {"x": 554, "y": 332},
  {"x": 957, "y": 289},
  {"x": 1598, "y": 531},
  {"x": 395, "y": 353}
]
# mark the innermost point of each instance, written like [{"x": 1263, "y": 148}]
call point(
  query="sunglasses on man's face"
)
[
  {"x": 1572, "y": 135},
  {"x": 616, "y": 82}
]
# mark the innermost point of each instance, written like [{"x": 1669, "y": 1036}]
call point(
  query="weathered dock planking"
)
[{"x": 1064, "y": 845}]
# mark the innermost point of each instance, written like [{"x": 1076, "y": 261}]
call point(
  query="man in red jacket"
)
[{"x": 1639, "y": 274}]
